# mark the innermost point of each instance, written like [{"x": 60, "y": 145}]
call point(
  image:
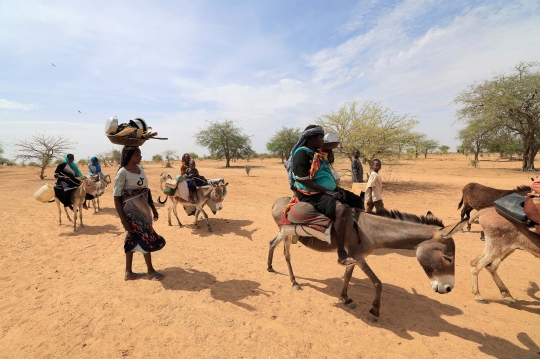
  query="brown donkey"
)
[
  {"x": 434, "y": 246},
  {"x": 476, "y": 196},
  {"x": 503, "y": 237}
]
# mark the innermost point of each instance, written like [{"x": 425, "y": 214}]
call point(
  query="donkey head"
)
[
  {"x": 437, "y": 257},
  {"x": 89, "y": 186},
  {"x": 218, "y": 194}
]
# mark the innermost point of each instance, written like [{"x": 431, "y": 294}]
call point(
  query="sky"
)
[{"x": 263, "y": 64}]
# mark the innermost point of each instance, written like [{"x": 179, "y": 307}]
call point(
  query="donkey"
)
[
  {"x": 102, "y": 182},
  {"x": 77, "y": 200},
  {"x": 477, "y": 197},
  {"x": 435, "y": 249},
  {"x": 503, "y": 237},
  {"x": 212, "y": 195}
]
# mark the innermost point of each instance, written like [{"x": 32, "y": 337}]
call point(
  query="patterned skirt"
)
[{"x": 142, "y": 237}]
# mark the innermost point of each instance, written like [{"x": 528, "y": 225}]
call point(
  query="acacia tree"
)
[
  {"x": 444, "y": 149},
  {"x": 476, "y": 136},
  {"x": 509, "y": 101},
  {"x": 283, "y": 141},
  {"x": 374, "y": 130},
  {"x": 223, "y": 139},
  {"x": 41, "y": 149},
  {"x": 169, "y": 155},
  {"x": 428, "y": 146}
]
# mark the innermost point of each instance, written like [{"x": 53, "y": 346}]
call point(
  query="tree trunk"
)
[
  {"x": 228, "y": 164},
  {"x": 476, "y": 155},
  {"x": 42, "y": 173},
  {"x": 528, "y": 158}
]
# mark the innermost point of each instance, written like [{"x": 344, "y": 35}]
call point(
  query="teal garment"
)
[
  {"x": 323, "y": 177},
  {"x": 73, "y": 166}
]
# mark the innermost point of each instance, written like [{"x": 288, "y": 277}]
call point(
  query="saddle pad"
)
[
  {"x": 305, "y": 213},
  {"x": 183, "y": 190},
  {"x": 511, "y": 207}
]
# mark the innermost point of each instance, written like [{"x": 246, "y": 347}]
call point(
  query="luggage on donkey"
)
[
  {"x": 170, "y": 187},
  {"x": 511, "y": 208},
  {"x": 45, "y": 193}
]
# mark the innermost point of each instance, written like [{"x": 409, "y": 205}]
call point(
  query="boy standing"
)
[
  {"x": 374, "y": 188},
  {"x": 357, "y": 171}
]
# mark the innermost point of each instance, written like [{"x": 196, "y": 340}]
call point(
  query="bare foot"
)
[
  {"x": 155, "y": 276},
  {"x": 133, "y": 276}
]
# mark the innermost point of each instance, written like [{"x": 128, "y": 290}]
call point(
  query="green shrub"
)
[{"x": 248, "y": 169}]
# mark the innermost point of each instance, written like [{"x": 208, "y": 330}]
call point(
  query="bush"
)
[
  {"x": 474, "y": 163},
  {"x": 157, "y": 158},
  {"x": 6, "y": 162},
  {"x": 193, "y": 155},
  {"x": 168, "y": 165},
  {"x": 82, "y": 162},
  {"x": 58, "y": 161},
  {"x": 248, "y": 169}
]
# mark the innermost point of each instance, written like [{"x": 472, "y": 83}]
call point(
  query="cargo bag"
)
[
  {"x": 171, "y": 183},
  {"x": 511, "y": 208},
  {"x": 169, "y": 191}
]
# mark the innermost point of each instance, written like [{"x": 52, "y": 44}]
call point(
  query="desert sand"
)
[{"x": 63, "y": 294}]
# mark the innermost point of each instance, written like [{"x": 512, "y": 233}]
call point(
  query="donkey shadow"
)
[
  {"x": 221, "y": 226},
  {"x": 422, "y": 315},
  {"x": 232, "y": 291},
  {"x": 92, "y": 230}
]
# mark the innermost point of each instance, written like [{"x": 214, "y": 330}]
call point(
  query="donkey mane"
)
[
  {"x": 409, "y": 217},
  {"x": 523, "y": 188}
]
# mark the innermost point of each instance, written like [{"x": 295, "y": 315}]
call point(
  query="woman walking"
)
[{"x": 135, "y": 207}]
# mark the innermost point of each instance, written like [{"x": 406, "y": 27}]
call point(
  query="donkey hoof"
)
[
  {"x": 270, "y": 269},
  {"x": 481, "y": 300},
  {"x": 509, "y": 301},
  {"x": 375, "y": 313},
  {"x": 296, "y": 287},
  {"x": 210, "y": 229}
]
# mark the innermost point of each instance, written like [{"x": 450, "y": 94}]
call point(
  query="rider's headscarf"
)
[
  {"x": 127, "y": 153},
  {"x": 313, "y": 131},
  {"x": 73, "y": 165},
  {"x": 96, "y": 164}
]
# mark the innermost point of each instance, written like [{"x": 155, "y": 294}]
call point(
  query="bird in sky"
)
[
  {"x": 53, "y": 64},
  {"x": 79, "y": 111}
]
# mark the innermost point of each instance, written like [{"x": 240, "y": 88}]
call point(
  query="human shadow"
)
[
  {"x": 232, "y": 291},
  {"x": 422, "y": 315},
  {"x": 221, "y": 226},
  {"x": 532, "y": 290},
  {"x": 92, "y": 230}
]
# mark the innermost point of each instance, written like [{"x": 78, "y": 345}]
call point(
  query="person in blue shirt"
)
[{"x": 314, "y": 183}]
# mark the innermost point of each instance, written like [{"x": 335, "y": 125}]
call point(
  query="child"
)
[
  {"x": 194, "y": 180},
  {"x": 374, "y": 188},
  {"x": 185, "y": 163}
]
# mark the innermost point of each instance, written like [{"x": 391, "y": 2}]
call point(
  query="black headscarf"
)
[{"x": 127, "y": 153}]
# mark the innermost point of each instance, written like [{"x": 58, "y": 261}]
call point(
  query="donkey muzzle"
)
[{"x": 443, "y": 285}]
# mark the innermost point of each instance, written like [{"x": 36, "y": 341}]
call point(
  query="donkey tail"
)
[
  {"x": 159, "y": 199},
  {"x": 460, "y": 203}
]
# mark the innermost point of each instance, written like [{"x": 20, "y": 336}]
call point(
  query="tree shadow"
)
[
  {"x": 92, "y": 230},
  {"x": 421, "y": 315},
  {"x": 232, "y": 291}
]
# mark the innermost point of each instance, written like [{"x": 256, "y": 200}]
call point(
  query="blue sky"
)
[{"x": 263, "y": 64}]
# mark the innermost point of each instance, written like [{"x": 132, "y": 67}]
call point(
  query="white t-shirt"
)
[
  {"x": 375, "y": 182},
  {"x": 127, "y": 180}
]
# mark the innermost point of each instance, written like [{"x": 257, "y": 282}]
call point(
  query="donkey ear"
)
[{"x": 449, "y": 230}]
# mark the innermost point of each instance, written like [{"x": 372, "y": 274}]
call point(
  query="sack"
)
[
  {"x": 179, "y": 178},
  {"x": 169, "y": 191},
  {"x": 171, "y": 183},
  {"x": 45, "y": 193}
]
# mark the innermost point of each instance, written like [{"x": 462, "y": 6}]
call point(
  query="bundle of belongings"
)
[
  {"x": 522, "y": 209},
  {"x": 176, "y": 184},
  {"x": 133, "y": 133}
]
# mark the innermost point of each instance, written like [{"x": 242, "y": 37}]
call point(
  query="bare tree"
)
[
  {"x": 42, "y": 149},
  {"x": 169, "y": 155}
]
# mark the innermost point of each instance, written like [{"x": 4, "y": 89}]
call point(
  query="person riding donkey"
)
[
  {"x": 312, "y": 181},
  {"x": 195, "y": 180}
]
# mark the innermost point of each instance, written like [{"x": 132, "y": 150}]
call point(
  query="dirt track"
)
[{"x": 63, "y": 293}]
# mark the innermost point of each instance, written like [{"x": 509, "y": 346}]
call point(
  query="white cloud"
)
[{"x": 11, "y": 105}]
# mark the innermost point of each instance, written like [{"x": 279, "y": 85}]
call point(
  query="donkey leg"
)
[
  {"x": 287, "y": 253},
  {"x": 344, "y": 298},
  {"x": 67, "y": 214},
  {"x": 492, "y": 269},
  {"x": 169, "y": 213},
  {"x": 273, "y": 244},
  {"x": 175, "y": 214},
  {"x": 205, "y": 217},
  {"x": 476, "y": 266},
  {"x": 376, "y": 283}
]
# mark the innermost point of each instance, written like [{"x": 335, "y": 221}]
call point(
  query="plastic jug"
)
[{"x": 45, "y": 193}]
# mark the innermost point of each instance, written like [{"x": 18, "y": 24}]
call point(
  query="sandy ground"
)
[{"x": 63, "y": 294}]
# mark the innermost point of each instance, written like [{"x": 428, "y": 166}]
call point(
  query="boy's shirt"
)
[
  {"x": 375, "y": 182},
  {"x": 192, "y": 171}
]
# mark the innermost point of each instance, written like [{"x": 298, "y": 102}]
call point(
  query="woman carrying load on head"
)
[
  {"x": 135, "y": 207},
  {"x": 66, "y": 174}
]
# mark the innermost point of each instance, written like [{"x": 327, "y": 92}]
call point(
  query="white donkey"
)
[
  {"x": 101, "y": 184},
  {"x": 77, "y": 200}
]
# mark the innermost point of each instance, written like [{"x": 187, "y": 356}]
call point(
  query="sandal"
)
[
  {"x": 134, "y": 276},
  {"x": 347, "y": 262}
]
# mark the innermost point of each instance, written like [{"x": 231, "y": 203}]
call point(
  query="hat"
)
[{"x": 331, "y": 141}]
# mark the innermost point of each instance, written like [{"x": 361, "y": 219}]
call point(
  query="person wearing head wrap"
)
[
  {"x": 135, "y": 207},
  {"x": 66, "y": 174},
  {"x": 314, "y": 183},
  {"x": 94, "y": 166}
]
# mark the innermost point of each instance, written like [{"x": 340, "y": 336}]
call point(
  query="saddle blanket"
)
[
  {"x": 302, "y": 219},
  {"x": 306, "y": 231}
]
